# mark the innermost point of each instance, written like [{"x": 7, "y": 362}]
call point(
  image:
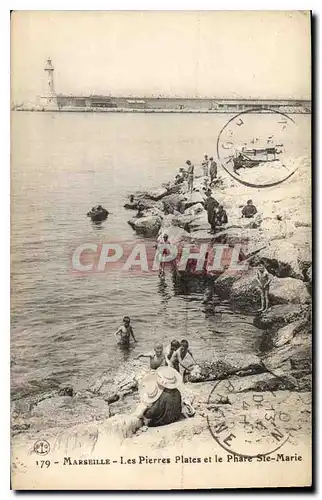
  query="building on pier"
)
[{"x": 52, "y": 100}]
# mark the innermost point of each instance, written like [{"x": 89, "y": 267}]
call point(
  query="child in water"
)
[
  {"x": 157, "y": 358},
  {"x": 124, "y": 333}
]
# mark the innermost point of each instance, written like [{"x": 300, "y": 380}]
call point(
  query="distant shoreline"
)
[{"x": 151, "y": 110}]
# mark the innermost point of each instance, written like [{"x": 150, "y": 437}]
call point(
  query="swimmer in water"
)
[
  {"x": 157, "y": 358},
  {"x": 124, "y": 333}
]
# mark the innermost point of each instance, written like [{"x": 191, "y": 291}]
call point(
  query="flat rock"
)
[
  {"x": 193, "y": 198},
  {"x": 286, "y": 334},
  {"x": 245, "y": 291},
  {"x": 224, "y": 367},
  {"x": 280, "y": 315},
  {"x": 288, "y": 290},
  {"x": 291, "y": 356},
  {"x": 194, "y": 209},
  {"x": 281, "y": 259},
  {"x": 175, "y": 201},
  {"x": 147, "y": 226},
  {"x": 157, "y": 194},
  {"x": 224, "y": 283},
  {"x": 262, "y": 382},
  {"x": 302, "y": 240},
  {"x": 62, "y": 410}
]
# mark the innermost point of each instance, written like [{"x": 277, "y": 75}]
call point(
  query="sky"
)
[{"x": 236, "y": 54}]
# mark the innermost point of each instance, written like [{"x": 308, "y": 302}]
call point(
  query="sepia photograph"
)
[{"x": 161, "y": 250}]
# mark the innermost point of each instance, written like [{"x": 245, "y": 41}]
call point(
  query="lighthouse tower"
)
[{"x": 51, "y": 94}]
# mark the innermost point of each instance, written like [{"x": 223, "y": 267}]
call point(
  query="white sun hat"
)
[
  {"x": 168, "y": 377},
  {"x": 149, "y": 390}
]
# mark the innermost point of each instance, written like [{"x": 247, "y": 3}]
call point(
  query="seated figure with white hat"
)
[{"x": 161, "y": 402}]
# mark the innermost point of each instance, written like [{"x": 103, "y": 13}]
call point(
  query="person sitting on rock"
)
[
  {"x": 213, "y": 169},
  {"x": 140, "y": 207},
  {"x": 263, "y": 280},
  {"x": 249, "y": 210},
  {"x": 161, "y": 402},
  {"x": 221, "y": 217},
  {"x": 180, "y": 177},
  {"x": 157, "y": 358},
  {"x": 124, "y": 333},
  {"x": 179, "y": 357},
  {"x": 132, "y": 198}
]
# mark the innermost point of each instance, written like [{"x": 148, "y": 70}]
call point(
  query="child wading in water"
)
[
  {"x": 124, "y": 333},
  {"x": 264, "y": 280},
  {"x": 157, "y": 358}
]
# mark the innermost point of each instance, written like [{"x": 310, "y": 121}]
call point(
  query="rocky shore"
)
[{"x": 280, "y": 237}]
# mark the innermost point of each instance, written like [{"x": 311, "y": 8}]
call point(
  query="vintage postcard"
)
[{"x": 161, "y": 265}]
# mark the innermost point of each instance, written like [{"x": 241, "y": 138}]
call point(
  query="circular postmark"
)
[
  {"x": 42, "y": 447},
  {"x": 260, "y": 149},
  {"x": 249, "y": 423}
]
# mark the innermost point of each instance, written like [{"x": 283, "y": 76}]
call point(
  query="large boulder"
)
[
  {"x": 295, "y": 356},
  {"x": 302, "y": 240},
  {"x": 174, "y": 202},
  {"x": 280, "y": 258},
  {"x": 276, "y": 229},
  {"x": 157, "y": 194},
  {"x": 66, "y": 410},
  {"x": 193, "y": 198},
  {"x": 245, "y": 291},
  {"x": 223, "y": 367},
  {"x": 252, "y": 240},
  {"x": 262, "y": 382},
  {"x": 194, "y": 209},
  {"x": 199, "y": 222},
  {"x": 224, "y": 283},
  {"x": 147, "y": 226},
  {"x": 288, "y": 290},
  {"x": 278, "y": 316},
  {"x": 285, "y": 334}
]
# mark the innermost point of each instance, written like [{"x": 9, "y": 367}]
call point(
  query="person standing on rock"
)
[
  {"x": 210, "y": 205},
  {"x": 163, "y": 247},
  {"x": 124, "y": 333},
  {"x": 205, "y": 165},
  {"x": 264, "y": 280},
  {"x": 212, "y": 169},
  {"x": 191, "y": 170}
]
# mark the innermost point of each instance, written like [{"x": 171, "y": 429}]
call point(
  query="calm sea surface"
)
[{"x": 62, "y": 324}]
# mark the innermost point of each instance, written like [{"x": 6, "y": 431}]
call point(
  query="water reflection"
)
[
  {"x": 163, "y": 290},
  {"x": 97, "y": 225},
  {"x": 127, "y": 350}
]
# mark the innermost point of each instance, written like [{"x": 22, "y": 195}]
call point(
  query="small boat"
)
[
  {"x": 249, "y": 158},
  {"x": 98, "y": 213}
]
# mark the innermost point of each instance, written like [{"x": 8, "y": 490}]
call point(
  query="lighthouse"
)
[{"x": 51, "y": 97}]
